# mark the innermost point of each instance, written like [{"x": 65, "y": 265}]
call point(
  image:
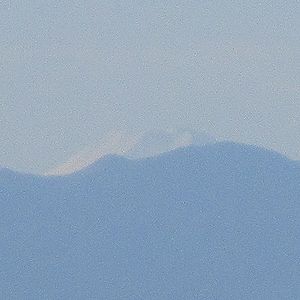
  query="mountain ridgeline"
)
[{"x": 220, "y": 221}]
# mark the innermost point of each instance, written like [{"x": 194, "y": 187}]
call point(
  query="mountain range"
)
[{"x": 218, "y": 221}]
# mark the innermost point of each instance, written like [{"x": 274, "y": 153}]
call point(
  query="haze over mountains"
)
[
  {"x": 98, "y": 213},
  {"x": 219, "y": 221},
  {"x": 73, "y": 70}
]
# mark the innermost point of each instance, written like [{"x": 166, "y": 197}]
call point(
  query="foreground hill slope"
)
[{"x": 214, "y": 222}]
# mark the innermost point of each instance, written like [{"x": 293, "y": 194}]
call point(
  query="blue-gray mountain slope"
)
[{"x": 214, "y": 222}]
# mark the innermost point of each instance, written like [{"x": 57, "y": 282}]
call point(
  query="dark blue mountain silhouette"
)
[{"x": 214, "y": 222}]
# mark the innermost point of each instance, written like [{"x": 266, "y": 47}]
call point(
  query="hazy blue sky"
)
[{"x": 73, "y": 70}]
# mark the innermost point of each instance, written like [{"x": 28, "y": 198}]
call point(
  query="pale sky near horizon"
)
[{"x": 71, "y": 71}]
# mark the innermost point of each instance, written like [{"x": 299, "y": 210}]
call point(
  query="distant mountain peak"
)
[{"x": 146, "y": 144}]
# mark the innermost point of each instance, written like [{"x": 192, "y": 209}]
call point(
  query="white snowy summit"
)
[
  {"x": 134, "y": 146},
  {"x": 152, "y": 143}
]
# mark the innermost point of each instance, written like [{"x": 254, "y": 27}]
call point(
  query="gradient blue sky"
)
[{"x": 73, "y": 70}]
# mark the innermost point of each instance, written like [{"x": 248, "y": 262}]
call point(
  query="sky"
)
[{"x": 72, "y": 71}]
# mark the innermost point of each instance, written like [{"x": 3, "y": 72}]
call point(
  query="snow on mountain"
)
[{"x": 135, "y": 146}]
